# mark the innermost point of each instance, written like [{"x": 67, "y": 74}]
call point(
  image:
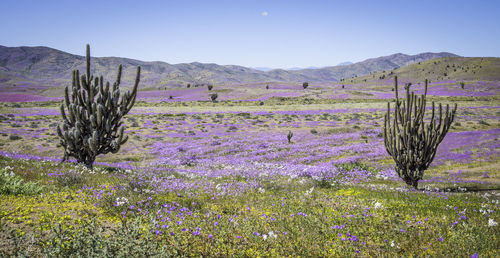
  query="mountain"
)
[
  {"x": 345, "y": 63},
  {"x": 302, "y": 68},
  {"x": 42, "y": 68},
  {"x": 264, "y": 69}
]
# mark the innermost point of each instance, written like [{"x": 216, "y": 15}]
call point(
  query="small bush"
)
[{"x": 70, "y": 178}]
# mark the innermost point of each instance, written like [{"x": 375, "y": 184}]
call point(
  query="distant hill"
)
[
  {"x": 443, "y": 69},
  {"x": 42, "y": 68}
]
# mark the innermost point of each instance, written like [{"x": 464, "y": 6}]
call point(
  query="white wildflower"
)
[
  {"x": 392, "y": 243},
  {"x": 492, "y": 223},
  {"x": 308, "y": 192},
  {"x": 377, "y": 205},
  {"x": 264, "y": 236},
  {"x": 263, "y": 174},
  {"x": 121, "y": 200},
  {"x": 261, "y": 190},
  {"x": 272, "y": 234}
]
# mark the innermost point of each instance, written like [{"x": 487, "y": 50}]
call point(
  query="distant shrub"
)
[
  {"x": 462, "y": 85},
  {"x": 482, "y": 122},
  {"x": 267, "y": 87},
  {"x": 313, "y": 131},
  {"x": 15, "y": 137},
  {"x": 305, "y": 85},
  {"x": 189, "y": 85},
  {"x": 189, "y": 160},
  {"x": 210, "y": 87},
  {"x": 215, "y": 143},
  {"x": 213, "y": 97}
]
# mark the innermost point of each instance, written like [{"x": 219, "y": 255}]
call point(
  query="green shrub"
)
[
  {"x": 11, "y": 183},
  {"x": 132, "y": 239}
]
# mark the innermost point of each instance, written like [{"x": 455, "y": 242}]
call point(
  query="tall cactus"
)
[
  {"x": 91, "y": 116},
  {"x": 411, "y": 143}
]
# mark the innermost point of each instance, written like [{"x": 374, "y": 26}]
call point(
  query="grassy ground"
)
[{"x": 220, "y": 179}]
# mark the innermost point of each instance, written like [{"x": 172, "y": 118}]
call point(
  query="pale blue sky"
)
[{"x": 292, "y": 34}]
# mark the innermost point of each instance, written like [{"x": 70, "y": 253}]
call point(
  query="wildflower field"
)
[{"x": 198, "y": 178}]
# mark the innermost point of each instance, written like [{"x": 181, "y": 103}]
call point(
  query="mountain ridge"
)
[{"x": 47, "y": 67}]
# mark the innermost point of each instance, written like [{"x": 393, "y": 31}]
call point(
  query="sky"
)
[{"x": 275, "y": 34}]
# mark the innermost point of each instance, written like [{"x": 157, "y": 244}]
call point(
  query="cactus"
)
[
  {"x": 411, "y": 143},
  {"x": 289, "y": 136},
  {"x": 91, "y": 114},
  {"x": 305, "y": 85}
]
